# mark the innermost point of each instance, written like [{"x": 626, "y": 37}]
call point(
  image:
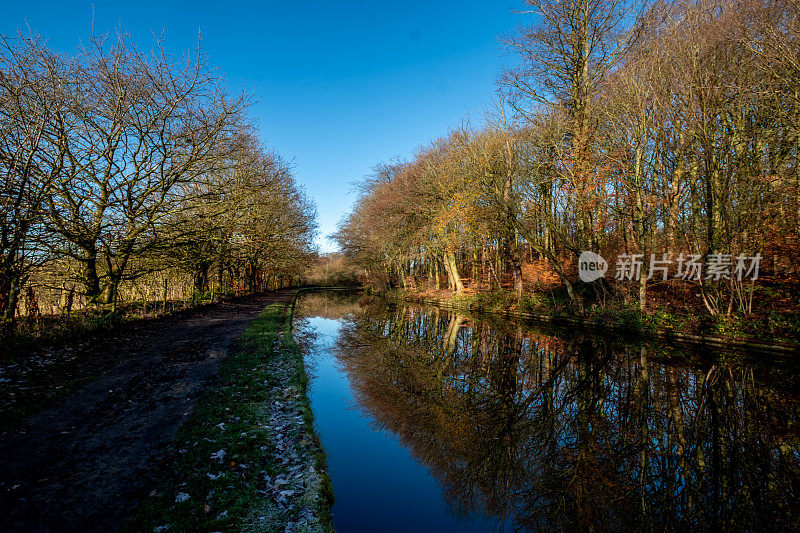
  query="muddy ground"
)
[{"x": 84, "y": 462}]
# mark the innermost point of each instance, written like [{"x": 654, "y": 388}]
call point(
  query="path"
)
[{"x": 83, "y": 463}]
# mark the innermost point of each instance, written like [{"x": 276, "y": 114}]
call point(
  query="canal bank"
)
[
  {"x": 629, "y": 323},
  {"x": 248, "y": 459}
]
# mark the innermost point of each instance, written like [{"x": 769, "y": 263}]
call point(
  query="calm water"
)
[{"x": 435, "y": 421}]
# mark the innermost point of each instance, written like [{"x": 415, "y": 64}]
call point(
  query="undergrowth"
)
[{"x": 771, "y": 326}]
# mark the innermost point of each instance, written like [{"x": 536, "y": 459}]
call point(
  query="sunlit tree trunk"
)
[{"x": 452, "y": 268}]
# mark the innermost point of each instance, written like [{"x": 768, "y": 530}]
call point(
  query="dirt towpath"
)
[{"x": 83, "y": 463}]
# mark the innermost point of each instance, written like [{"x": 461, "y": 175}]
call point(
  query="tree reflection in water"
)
[{"x": 543, "y": 431}]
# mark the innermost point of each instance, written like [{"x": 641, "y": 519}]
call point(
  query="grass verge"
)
[
  {"x": 248, "y": 458},
  {"x": 56, "y": 355},
  {"x": 30, "y": 334}
]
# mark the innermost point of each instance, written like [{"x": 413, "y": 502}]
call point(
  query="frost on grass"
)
[
  {"x": 218, "y": 456},
  {"x": 290, "y": 499},
  {"x": 251, "y": 462}
]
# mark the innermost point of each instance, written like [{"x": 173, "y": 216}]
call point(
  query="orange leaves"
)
[
  {"x": 459, "y": 213},
  {"x": 541, "y": 274}
]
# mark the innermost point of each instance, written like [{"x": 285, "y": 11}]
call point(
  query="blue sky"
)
[{"x": 340, "y": 86}]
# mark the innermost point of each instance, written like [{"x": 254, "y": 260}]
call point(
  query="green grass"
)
[{"x": 205, "y": 491}]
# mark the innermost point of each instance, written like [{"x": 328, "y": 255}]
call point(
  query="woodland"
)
[
  {"x": 663, "y": 134},
  {"x": 133, "y": 177},
  {"x": 658, "y": 132}
]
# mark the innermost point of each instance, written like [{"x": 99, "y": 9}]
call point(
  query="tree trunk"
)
[
  {"x": 113, "y": 293},
  {"x": 91, "y": 280},
  {"x": 450, "y": 260},
  {"x": 516, "y": 269},
  {"x": 8, "y": 304},
  {"x": 402, "y": 275},
  {"x": 640, "y": 223},
  {"x": 446, "y": 264},
  {"x": 201, "y": 278}
]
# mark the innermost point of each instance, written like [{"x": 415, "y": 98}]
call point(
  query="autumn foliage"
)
[{"x": 623, "y": 129}]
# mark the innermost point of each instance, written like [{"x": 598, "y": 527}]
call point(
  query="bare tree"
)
[
  {"x": 565, "y": 56},
  {"x": 138, "y": 130},
  {"x": 30, "y": 96}
]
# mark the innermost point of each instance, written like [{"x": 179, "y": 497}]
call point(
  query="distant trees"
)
[
  {"x": 117, "y": 164},
  {"x": 636, "y": 132},
  {"x": 332, "y": 270},
  {"x": 247, "y": 222}
]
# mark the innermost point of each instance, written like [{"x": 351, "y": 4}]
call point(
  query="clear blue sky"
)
[{"x": 341, "y": 85}]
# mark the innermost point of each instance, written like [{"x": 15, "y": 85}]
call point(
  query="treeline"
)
[
  {"x": 666, "y": 135},
  {"x": 125, "y": 171}
]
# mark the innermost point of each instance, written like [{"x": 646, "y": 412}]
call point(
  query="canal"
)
[{"x": 440, "y": 421}]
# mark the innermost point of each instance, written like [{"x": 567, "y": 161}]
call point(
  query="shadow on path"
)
[{"x": 83, "y": 463}]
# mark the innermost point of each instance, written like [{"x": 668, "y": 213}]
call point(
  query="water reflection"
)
[{"x": 542, "y": 431}]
